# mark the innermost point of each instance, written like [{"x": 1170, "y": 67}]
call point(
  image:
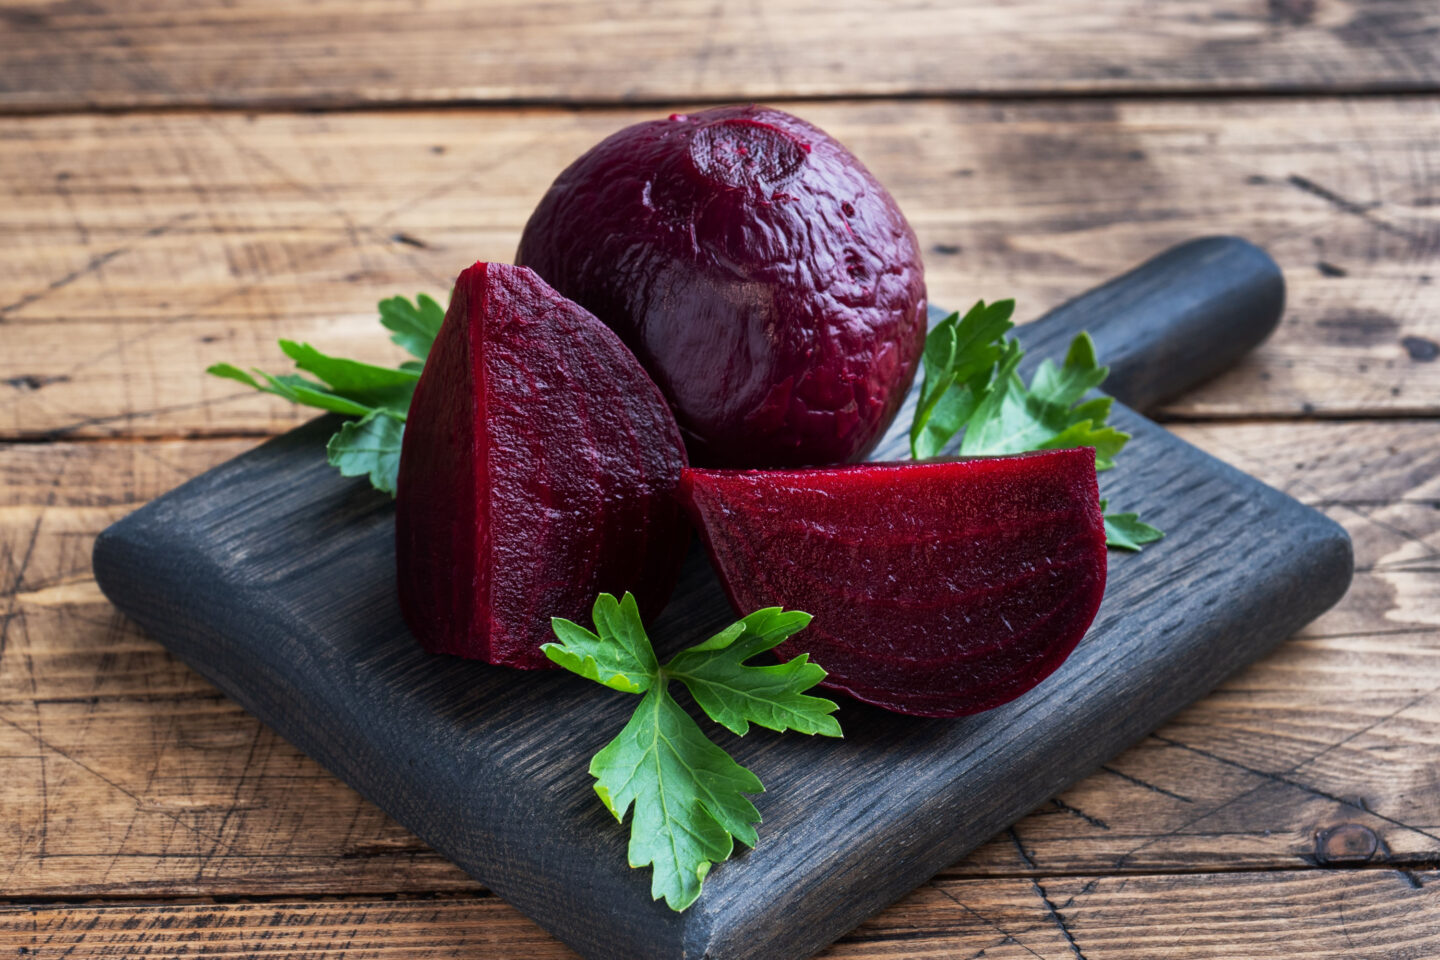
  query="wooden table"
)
[{"x": 185, "y": 180}]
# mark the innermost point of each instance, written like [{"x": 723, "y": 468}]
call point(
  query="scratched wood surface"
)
[
  {"x": 1295, "y": 812},
  {"x": 142, "y": 248},
  {"x": 1316, "y": 914},
  {"x": 82, "y": 54}
]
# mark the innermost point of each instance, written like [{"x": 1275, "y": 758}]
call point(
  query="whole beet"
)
[{"x": 763, "y": 276}]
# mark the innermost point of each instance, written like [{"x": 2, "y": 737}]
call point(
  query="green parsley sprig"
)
[
  {"x": 972, "y": 388},
  {"x": 688, "y": 795},
  {"x": 378, "y": 396}
]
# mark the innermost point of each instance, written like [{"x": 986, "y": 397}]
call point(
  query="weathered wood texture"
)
[
  {"x": 135, "y": 250},
  {"x": 83, "y": 54},
  {"x": 1316, "y": 914}
]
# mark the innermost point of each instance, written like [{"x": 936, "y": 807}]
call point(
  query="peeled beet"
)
[
  {"x": 938, "y": 589},
  {"x": 538, "y": 469},
  {"x": 766, "y": 280}
]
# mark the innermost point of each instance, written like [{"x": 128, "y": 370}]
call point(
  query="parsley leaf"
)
[
  {"x": 348, "y": 387},
  {"x": 294, "y": 388},
  {"x": 972, "y": 388},
  {"x": 735, "y": 695},
  {"x": 1048, "y": 415},
  {"x": 415, "y": 325},
  {"x": 369, "y": 447},
  {"x": 620, "y": 657},
  {"x": 376, "y": 387},
  {"x": 688, "y": 795},
  {"x": 378, "y": 396},
  {"x": 1127, "y": 531},
  {"x": 959, "y": 357}
]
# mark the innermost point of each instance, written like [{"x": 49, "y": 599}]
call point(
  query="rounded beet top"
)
[{"x": 763, "y": 276}]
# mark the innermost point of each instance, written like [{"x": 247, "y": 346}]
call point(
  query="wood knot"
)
[
  {"x": 1346, "y": 843},
  {"x": 1295, "y": 13},
  {"x": 1421, "y": 349}
]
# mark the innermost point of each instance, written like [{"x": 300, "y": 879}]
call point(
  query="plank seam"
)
[
  {"x": 1382, "y": 90},
  {"x": 1406, "y": 867}
]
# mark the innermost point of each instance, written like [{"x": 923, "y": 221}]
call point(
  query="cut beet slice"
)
[
  {"x": 538, "y": 469},
  {"x": 938, "y": 589}
]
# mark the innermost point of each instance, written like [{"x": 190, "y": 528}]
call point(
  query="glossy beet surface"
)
[
  {"x": 938, "y": 589},
  {"x": 539, "y": 468},
  {"x": 765, "y": 279}
]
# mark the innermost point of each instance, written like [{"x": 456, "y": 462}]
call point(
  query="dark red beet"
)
[
  {"x": 539, "y": 468},
  {"x": 765, "y": 279},
  {"x": 938, "y": 589}
]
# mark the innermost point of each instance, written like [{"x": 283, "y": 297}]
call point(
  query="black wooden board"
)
[{"x": 274, "y": 578}]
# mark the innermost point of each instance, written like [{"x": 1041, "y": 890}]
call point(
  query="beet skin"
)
[
  {"x": 766, "y": 280},
  {"x": 539, "y": 468},
  {"x": 938, "y": 589}
]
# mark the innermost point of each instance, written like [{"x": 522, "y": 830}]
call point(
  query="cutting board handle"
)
[{"x": 1173, "y": 322}]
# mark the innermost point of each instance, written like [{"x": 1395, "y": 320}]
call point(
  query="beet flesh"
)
[
  {"x": 938, "y": 589},
  {"x": 762, "y": 275},
  {"x": 539, "y": 468}
]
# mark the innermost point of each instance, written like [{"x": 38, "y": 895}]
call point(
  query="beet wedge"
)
[
  {"x": 938, "y": 588},
  {"x": 538, "y": 469}
]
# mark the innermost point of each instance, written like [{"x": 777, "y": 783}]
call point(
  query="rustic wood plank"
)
[
  {"x": 127, "y": 772},
  {"x": 1317, "y": 914},
  {"x": 104, "y": 53},
  {"x": 476, "y": 928},
  {"x": 135, "y": 250},
  {"x": 132, "y": 775}
]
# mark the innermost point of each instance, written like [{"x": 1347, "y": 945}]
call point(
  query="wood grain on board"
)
[
  {"x": 1276, "y": 915},
  {"x": 84, "y": 54},
  {"x": 136, "y": 250}
]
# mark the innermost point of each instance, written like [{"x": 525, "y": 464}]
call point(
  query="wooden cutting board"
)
[{"x": 274, "y": 577}]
